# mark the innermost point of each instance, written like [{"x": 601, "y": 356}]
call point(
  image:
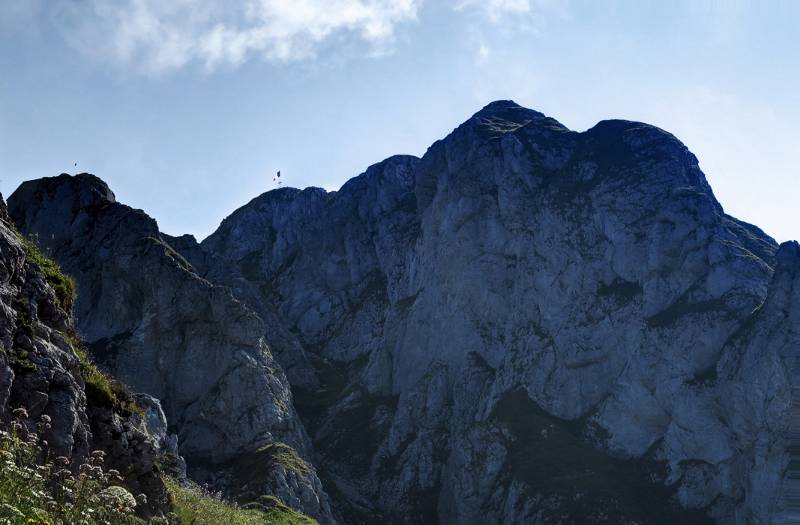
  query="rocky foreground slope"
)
[
  {"x": 526, "y": 325},
  {"x": 44, "y": 376}
]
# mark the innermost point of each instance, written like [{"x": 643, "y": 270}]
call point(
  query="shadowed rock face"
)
[
  {"x": 156, "y": 325},
  {"x": 526, "y": 325}
]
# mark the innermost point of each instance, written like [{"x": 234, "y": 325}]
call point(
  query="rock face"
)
[
  {"x": 526, "y": 325},
  {"x": 158, "y": 326},
  {"x": 757, "y": 373},
  {"x": 40, "y": 372}
]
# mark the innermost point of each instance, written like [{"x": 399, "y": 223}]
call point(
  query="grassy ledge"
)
[
  {"x": 62, "y": 284},
  {"x": 192, "y": 504},
  {"x": 101, "y": 389}
]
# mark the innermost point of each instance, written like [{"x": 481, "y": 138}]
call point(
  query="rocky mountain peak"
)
[
  {"x": 524, "y": 314},
  {"x": 521, "y": 255},
  {"x": 59, "y": 210},
  {"x": 506, "y": 109},
  {"x": 84, "y": 189},
  {"x": 502, "y": 116},
  {"x": 500, "y": 105}
]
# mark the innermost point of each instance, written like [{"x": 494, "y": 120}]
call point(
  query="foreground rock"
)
[
  {"x": 158, "y": 326},
  {"x": 41, "y": 372}
]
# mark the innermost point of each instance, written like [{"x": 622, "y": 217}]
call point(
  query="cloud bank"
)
[{"x": 156, "y": 36}]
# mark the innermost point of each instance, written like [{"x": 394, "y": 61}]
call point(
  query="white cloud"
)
[
  {"x": 491, "y": 24},
  {"x": 155, "y": 36}
]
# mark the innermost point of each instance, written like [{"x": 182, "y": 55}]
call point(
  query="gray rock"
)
[
  {"x": 167, "y": 443},
  {"x": 526, "y": 325},
  {"x": 523, "y": 281},
  {"x": 41, "y": 373},
  {"x": 152, "y": 321}
]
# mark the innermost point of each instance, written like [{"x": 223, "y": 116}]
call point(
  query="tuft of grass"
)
[
  {"x": 253, "y": 470},
  {"x": 191, "y": 504},
  {"x": 21, "y": 361},
  {"x": 170, "y": 252},
  {"x": 283, "y": 454},
  {"x": 101, "y": 389},
  {"x": 62, "y": 284}
]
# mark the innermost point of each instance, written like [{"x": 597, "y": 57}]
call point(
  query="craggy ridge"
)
[{"x": 526, "y": 325}]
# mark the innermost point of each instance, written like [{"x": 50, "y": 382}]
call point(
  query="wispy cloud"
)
[
  {"x": 490, "y": 21},
  {"x": 497, "y": 10},
  {"x": 156, "y": 36}
]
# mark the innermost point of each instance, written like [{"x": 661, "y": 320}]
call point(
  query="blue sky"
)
[{"x": 186, "y": 108}]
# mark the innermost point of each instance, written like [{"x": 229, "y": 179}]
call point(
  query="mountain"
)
[
  {"x": 526, "y": 325},
  {"x": 151, "y": 321}
]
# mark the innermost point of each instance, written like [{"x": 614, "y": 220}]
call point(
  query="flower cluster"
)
[{"x": 37, "y": 490}]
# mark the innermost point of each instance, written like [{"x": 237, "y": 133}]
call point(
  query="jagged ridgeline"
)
[{"x": 526, "y": 325}]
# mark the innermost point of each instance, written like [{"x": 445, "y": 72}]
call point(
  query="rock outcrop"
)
[
  {"x": 42, "y": 373},
  {"x": 154, "y": 323},
  {"x": 526, "y": 325}
]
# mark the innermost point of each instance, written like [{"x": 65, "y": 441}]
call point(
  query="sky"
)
[{"x": 187, "y": 108}]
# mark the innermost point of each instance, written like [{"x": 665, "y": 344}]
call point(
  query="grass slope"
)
[{"x": 193, "y": 505}]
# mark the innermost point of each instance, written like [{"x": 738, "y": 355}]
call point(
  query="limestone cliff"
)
[
  {"x": 530, "y": 322},
  {"x": 526, "y": 325}
]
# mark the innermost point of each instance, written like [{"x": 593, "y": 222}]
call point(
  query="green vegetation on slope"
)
[
  {"x": 63, "y": 285},
  {"x": 196, "y": 506},
  {"x": 51, "y": 493},
  {"x": 252, "y": 468},
  {"x": 102, "y": 390}
]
